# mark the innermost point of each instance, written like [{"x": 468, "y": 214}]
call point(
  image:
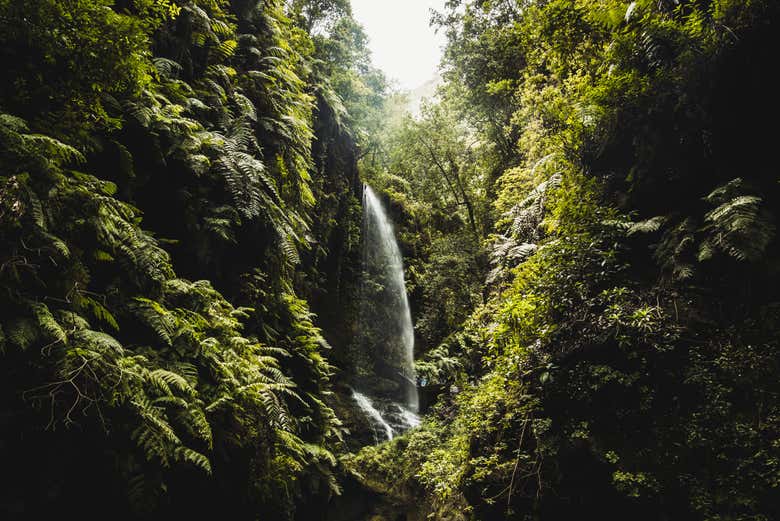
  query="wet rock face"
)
[
  {"x": 360, "y": 429},
  {"x": 379, "y": 386}
]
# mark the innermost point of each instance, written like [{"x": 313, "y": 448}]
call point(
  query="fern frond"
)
[
  {"x": 156, "y": 317},
  {"x": 222, "y": 29},
  {"x": 192, "y": 457},
  {"x": 54, "y": 149},
  {"x": 102, "y": 256},
  {"x": 169, "y": 401},
  {"x": 187, "y": 370},
  {"x": 648, "y": 226},
  {"x": 246, "y": 108},
  {"x": 167, "y": 68},
  {"x": 675, "y": 251},
  {"x": 36, "y": 209},
  {"x": 726, "y": 192},
  {"x": 168, "y": 381},
  {"x": 195, "y": 421},
  {"x": 290, "y": 250},
  {"x": 48, "y": 324},
  {"x": 54, "y": 244},
  {"x": 14, "y": 124},
  {"x": 222, "y": 74},
  {"x": 98, "y": 342},
  {"x": 97, "y": 310},
  {"x": 136, "y": 490},
  {"x": 226, "y": 49},
  {"x": 740, "y": 226}
]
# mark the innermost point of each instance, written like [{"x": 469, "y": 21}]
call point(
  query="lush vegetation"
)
[
  {"x": 623, "y": 363},
  {"x": 588, "y": 212},
  {"x": 157, "y": 210}
]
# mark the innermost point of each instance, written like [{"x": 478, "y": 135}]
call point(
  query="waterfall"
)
[
  {"x": 381, "y": 251},
  {"x": 384, "y": 354},
  {"x": 367, "y": 406}
]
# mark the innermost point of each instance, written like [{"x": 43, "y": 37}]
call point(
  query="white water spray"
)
[
  {"x": 411, "y": 419},
  {"x": 367, "y": 406}
]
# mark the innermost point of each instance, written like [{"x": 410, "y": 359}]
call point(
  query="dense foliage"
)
[
  {"x": 588, "y": 213},
  {"x": 142, "y": 142},
  {"x": 624, "y": 363}
]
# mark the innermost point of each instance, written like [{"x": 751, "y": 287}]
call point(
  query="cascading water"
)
[
  {"x": 367, "y": 406},
  {"x": 385, "y": 356},
  {"x": 382, "y": 249}
]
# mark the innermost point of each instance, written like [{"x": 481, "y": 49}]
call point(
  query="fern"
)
[
  {"x": 167, "y": 400},
  {"x": 289, "y": 248},
  {"x": 170, "y": 381},
  {"x": 13, "y": 124},
  {"x": 167, "y": 69},
  {"x": 137, "y": 490},
  {"x": 226, "y": 49},
  {"x": 195, "y": 421},
  {"x": 197, "y": 459},
  {"x": 48, "y": 324},
  {"x": 71, "y": 321},
  {"x": 246, "y": 108},
  {"x": 54, "y": 149},
  {"x": 154, "y": 435},
  {"x": 54, "y": 244},
  {"x": 222, "y": 29},
  {"x": 740, "y": 227},
  {"x": 98, "y": 342},
  {"x": 222, "y": 74},
  {"x": 96, "y": 309},
  {"x": 196, "y": 372},
  {"x": 141, "y": 113},
  {"x": 156, "y": 317},
  {"x": 102, "y": 256},
  {"x": 648, "y": 226},
  {"x": 187, "y": 370},
  {"x": 35, "y": 209},
  {"x": 675, "y": 251}
]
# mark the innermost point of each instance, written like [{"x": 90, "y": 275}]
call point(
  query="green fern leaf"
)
[
  {"x": 71, "y": 321},
  {"x": 197, "y": 459},
  {"x": 48, "y": 324},
  {"x": 648, "y": 226},
  {"x": 156, "y": 317},
  {"x": 54, "y": 149},
  {"x": 170, "y": 381},
  {"x": 98, "y": 341},
  {"x": 97, "y": 310},
  {"x": 226, "y": 49}
]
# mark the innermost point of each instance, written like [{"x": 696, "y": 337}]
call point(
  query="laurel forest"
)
[{"x": 240, "y": 278}]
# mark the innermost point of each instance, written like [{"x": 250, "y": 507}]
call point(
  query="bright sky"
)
[{"x": 404, "y": 46}]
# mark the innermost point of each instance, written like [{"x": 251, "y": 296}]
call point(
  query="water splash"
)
[
  {"x": 367, "y": 406},
  {"x": 410, "y": 418},
  {"x": 382, "y": 253}
]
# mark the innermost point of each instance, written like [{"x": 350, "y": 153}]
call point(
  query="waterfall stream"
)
[
  {"x": 367, "y": 406},
  {"x": 386, "y": 346}
]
